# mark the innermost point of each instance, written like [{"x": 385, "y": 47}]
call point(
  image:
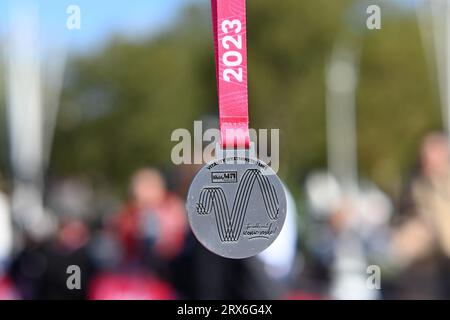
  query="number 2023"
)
[{"x": 232, "y": 58}]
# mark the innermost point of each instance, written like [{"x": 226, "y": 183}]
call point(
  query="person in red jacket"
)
[
  {"x": 155, "y": 218},
  {"x": 151, "y": 230}
]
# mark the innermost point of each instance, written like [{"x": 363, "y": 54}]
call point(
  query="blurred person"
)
[
  {"x": 421, "y": 242},
  {"x": 350, "y": 232},
  {"x": 155, "y": 217},
  {"x": 361, "y": 224},
  {"x": 137, "y": 247},
  {"x": 40, "y": 270},
  {"x": 105, "y": 247},
  {"x": 69, "y": 248},
  {"x": 115, "y": 281}
]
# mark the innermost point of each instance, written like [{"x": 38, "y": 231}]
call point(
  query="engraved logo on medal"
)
[
  {"x": 230, "y": 224},
  {"x": 224, "y": 177}
]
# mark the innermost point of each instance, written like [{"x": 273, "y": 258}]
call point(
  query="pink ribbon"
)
[{"x": 230, "y": 41}]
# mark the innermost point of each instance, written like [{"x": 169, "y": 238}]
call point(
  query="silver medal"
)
[{"x": 236, "y": 206}]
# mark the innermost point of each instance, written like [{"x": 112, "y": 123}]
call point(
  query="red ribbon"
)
[{"x": 230, "y": 40}]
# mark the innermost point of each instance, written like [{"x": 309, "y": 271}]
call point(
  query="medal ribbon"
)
[{"x": 230, "y": 41}]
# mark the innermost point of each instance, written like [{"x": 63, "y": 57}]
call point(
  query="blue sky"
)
[
  {"x": 99, "y": 18},
  {"x": 102, "y": 18}
]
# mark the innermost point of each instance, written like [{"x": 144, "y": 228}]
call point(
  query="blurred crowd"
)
[{"x": 332, "y": 245}]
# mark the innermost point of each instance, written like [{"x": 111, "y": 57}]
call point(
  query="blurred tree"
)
[{"x": 396, "y": 103}]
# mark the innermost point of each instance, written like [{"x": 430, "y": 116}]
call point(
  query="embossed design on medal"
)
[{"x": 230, "y": 224}]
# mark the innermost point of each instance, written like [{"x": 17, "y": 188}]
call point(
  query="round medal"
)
[{"x": 236, "y": 206}]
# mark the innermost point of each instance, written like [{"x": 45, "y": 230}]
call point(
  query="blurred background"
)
[{"x": 88, "y": 106}]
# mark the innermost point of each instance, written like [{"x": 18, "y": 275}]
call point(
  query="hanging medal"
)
[{"x": 236, "y": 203}]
